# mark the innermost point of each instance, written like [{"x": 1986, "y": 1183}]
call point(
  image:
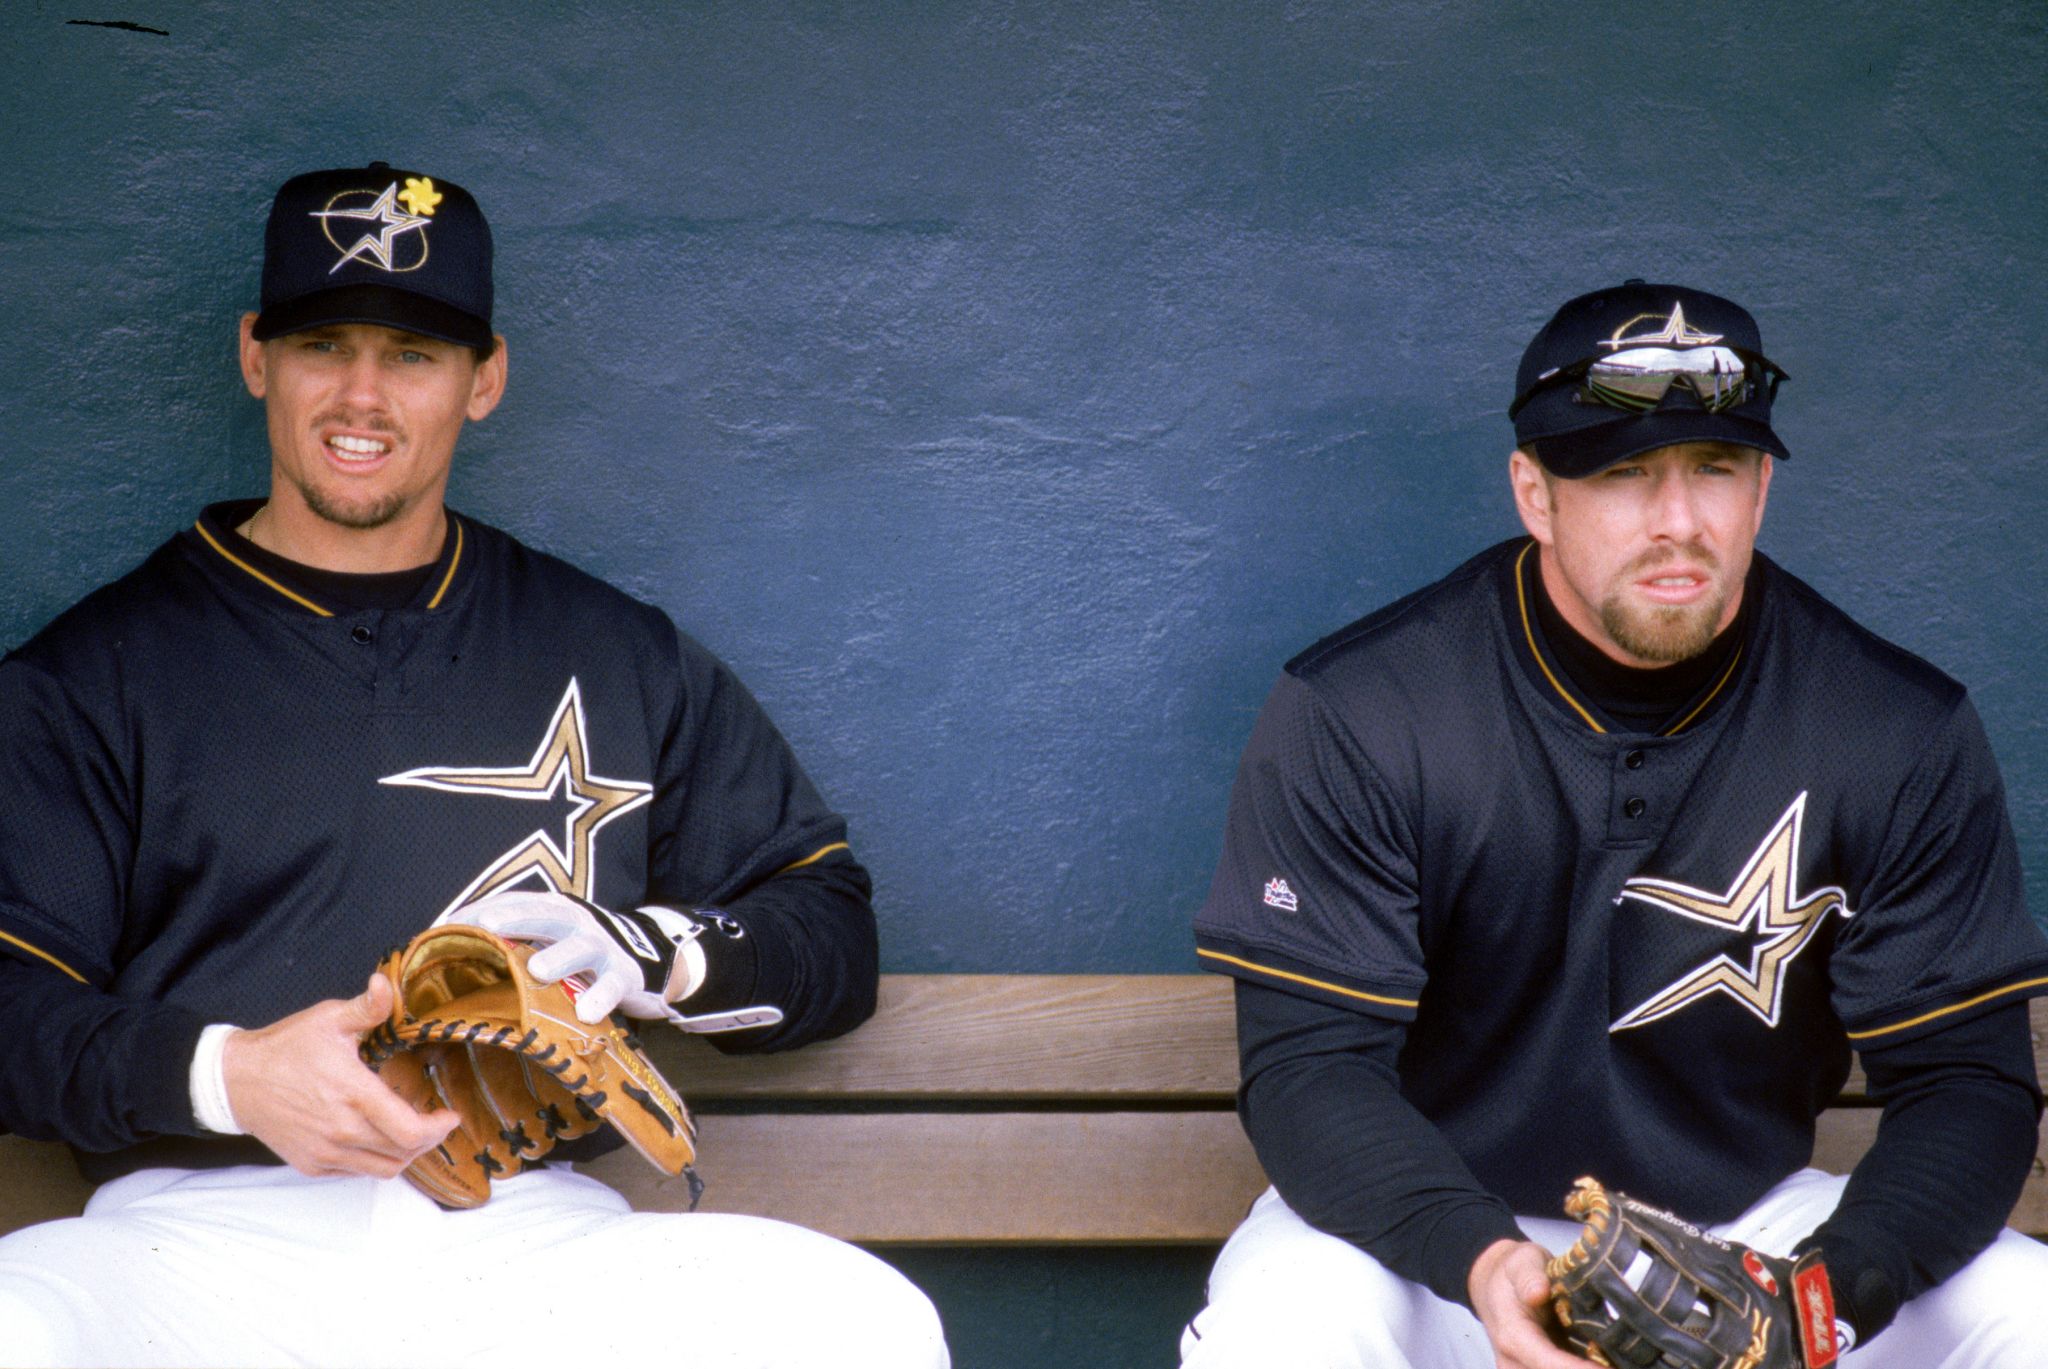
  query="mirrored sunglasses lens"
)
[{"x": 1638, "y": 378}]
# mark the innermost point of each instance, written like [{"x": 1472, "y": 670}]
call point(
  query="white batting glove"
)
[{"x": 617, "y": 960}]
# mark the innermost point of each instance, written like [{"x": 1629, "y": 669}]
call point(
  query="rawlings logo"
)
[
  {"x": 1759, "y": 1275},
  {"x": 1816, "y": 1299}
]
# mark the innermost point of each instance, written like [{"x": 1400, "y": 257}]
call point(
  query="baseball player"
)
[
  {"x": 309, "y": 726},
  {"x": 1600, "y": 856}
]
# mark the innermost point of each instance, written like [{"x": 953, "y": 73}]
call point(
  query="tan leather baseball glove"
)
[{"x": 471, "y": 1030}]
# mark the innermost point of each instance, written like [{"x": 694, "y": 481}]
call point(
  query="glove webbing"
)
[
  {"x": 1676, "y": 1313},
  {"x": 385, "y": 1041}
]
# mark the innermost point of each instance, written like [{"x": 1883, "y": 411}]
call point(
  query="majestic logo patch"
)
[
  {"x": 389, "y": 247},
  {"x": 1763, "y": 902},
  {"x": 560, "y": 765},
  {"x": 1278, "y": 895},
  {"x": 1671, "y": 331}
]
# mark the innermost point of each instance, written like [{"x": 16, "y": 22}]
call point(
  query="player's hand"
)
[
  {"x": 1511, "y": 1295},
  {"x": 617, "y": 957},
  {"x": 299, "y": 1087}
]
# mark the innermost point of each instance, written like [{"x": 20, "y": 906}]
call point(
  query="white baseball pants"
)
[
  {"x": 1283, "y": 1293},
  {"x": 258, "y": 1265}
]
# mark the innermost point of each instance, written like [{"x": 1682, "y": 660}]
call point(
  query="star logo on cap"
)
[
  {"x": 1764, "y": 903},
  {"x": 1676, "y": 332},
  {"x": 560, "y": 766},
  {"x": 381, "y": 245}
]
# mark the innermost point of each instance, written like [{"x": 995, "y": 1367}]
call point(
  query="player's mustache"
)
[
  {"x": 1692, "y": 553},
  {"x": 349, "y": 418}
]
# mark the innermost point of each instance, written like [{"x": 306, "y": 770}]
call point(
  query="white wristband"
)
[
  {"x": 690, "y": 971},
  {"x": 690, "y": 959},
  {"x": 682, "y": 930},
  {"x": 209, "y": 1081}
]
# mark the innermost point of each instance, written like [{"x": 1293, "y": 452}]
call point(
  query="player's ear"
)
[
  {"x": 1532, "y": 494},
  {"x": 488, "y": 385},
  {"x": 1763, "y": 491},
  {"x": 251, "y": 350}
]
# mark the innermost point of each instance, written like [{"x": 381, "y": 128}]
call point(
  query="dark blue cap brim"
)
[
  {"x": 377, "y": 304},
  {"x": 1586, "y": 451}
]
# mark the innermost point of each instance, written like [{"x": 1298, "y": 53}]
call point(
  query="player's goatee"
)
[
  {"x": 365, "y": 513},
  {"x": 1665, "y": 632},
  {"x": 372, "y": 512}
]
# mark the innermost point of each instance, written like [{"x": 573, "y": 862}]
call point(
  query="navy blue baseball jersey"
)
[
  {"x": 1646, "y": 957},
  {"x": 230, "y": 798}
]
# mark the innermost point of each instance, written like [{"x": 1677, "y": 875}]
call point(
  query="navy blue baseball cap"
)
[
  {"x": 376, "y": 245},
  {"x": 1626, "y": 370}
]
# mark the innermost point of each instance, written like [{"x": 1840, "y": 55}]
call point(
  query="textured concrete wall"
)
[{"x": 1006, "y": 390}]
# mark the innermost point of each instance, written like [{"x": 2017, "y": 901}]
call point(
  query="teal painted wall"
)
[{"x": 1006, "y": 390}]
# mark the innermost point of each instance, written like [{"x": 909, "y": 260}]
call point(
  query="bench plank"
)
[
  {"x": 985, "y": 1036},
  {"x": 1041, "y": 1177},
  {"x": 970, "y": 1178},
  {"x": 1028, "y": 1036}
]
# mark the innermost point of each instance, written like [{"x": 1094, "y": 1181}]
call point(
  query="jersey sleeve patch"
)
[
  {"x": 1314, "y": 890},
  {"x": 1262, "y": 965}
]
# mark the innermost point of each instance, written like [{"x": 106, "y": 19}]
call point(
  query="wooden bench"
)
[{"x": 981, "y": 1110}]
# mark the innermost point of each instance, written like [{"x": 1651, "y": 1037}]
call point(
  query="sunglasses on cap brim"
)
[{"x": 1636, "y": 380}]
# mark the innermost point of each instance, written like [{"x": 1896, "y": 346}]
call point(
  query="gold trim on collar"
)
[
  {"x": 1529, "y": 634},
  {"x": 453, "y": 561},
  {"x": 1312, "y": 983},
  {"x": 1712, "y": 694},
  {"x": 239, "y": 564}
]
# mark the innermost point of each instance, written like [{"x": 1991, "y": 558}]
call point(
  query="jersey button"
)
[
  {"x": 1634, "y": 808},
  {"x": 1633, "y": 760},
  {"x": 360, "y": 635}
]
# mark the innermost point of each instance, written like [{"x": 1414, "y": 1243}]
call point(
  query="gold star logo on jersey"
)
[
  {"x": 560, "y": 766},
  {"x": 1764, "y": 903}
]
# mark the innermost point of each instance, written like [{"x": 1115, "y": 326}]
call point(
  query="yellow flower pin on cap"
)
[{"x": 419, "y": 195}]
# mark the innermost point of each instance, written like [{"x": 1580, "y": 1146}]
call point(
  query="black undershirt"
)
[
  {"x": 1322, "y": 1103},
  {"x": 342, "y": 589}
]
